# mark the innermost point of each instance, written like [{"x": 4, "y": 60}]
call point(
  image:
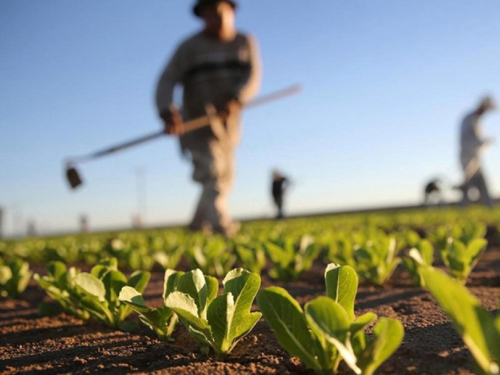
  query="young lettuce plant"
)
[
  {"x": 251, "y": 256},
  {"x": 460, "y": 258},
  {"x": 288, "y": 261},
  {"x": 99, "y": 292},
  {"x": 211, "y": 255},
  {"x": 421, "y": 253},
  {"x": 14, "y": 278},
  {"x": 216, "y": 322},
  {"x": 169, "y": 259},
  {"x": 327, "y": 331},
  {"x": 341, "y": 251},
  {"x": 161, "y": 320},
  {"x": 478, "y": 329},
  {"x": 470, "y": 231},
  {"x": 59, "y": 285},
  {"x": 376, "y": 260},
  {"x": 464, "y": 233}
]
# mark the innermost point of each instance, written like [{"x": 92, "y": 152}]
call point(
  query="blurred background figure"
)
[
  {"x": 31, "y": 228},
  {"x": 221, "y": 67},
  {"x": 84, "y": 223},
  {"x": 279, "y": 186},
  {"x": 136, "y": 221},
  {"x": 472, "y": 144},
  {"x": 432, "y": 192}
]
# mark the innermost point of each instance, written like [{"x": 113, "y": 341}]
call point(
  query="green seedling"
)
[
  {"x": 252, "y": 257},
  {"x": 211, "y": 255},
  {"x": 216, "y": 322},
  {"x": 169, "y": 259},
  {"x": 289, "y": 261},
  {"x": 341, "y": 251},
  {"x": 161, "y": 320},
  {"x": 327, "y": 331},
  {"x": 376, "y": 260},
  {"x": 99, "y": 292},
  {"x": 478, "y": 329},
  {"x": 14, "y": 278},
  {"x": 460, "y": 258},
  {"x": 59, "y": 285},
  {"x": 421, "y": 253}
]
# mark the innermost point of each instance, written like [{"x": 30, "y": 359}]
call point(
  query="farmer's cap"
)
[
  {"x": 201, "y": 3},
  {"x": 487, "y": 103}
]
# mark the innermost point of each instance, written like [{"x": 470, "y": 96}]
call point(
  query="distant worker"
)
[
  {"x": 432, "y": 192},
  {"x": 217, "y": 66},
  {"x": 84, "y": 223},
  {"x": 136, "y": 221},
  {"x": 31, "y": 228},
  {"x": 279, "y": 186},
  {"x": 472, "y": 144}
]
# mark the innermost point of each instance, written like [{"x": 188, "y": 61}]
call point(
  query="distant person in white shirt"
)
[{"x": 472, "y": 144}]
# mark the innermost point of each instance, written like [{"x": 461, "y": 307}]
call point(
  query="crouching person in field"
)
[{"x": 220, "y": 67}]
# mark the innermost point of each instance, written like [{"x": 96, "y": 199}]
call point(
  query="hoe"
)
[{"x": 210, "y": 119}]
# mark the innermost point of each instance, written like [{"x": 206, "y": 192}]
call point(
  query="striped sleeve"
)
[{"x": 171, "y": 76}]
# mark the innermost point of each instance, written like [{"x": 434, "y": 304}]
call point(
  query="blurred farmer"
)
[
  {"x": 432, "y": 192},
  {"x": 472, "y": 144},
  {"x": 280, "y": 184},
  {"x": 220, "y": 67}
]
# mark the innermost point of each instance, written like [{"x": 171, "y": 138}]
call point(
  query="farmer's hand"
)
[
  {"x": 232, "y": 108},
  {"x": 486, "y": 143},
  {"x": 173, "y": 121}
]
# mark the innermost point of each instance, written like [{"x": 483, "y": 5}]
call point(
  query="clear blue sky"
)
[{"x": 386, "y": 84}]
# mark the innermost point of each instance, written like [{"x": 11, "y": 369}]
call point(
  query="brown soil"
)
[{"x": 64, "y": 344}]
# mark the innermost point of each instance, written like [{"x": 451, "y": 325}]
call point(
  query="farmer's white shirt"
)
[{"x": 471, "y": 142}]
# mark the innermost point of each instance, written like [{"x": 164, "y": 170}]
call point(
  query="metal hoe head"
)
[{"x": 73, "y": 176}]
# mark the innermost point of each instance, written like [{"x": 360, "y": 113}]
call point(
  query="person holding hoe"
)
[
  {"x": 472, "y": 144},
  {"x": 218, "y": 68}
]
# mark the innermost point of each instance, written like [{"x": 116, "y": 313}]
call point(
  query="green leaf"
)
[
  {"x": 277, "y": 254},
  {"x": 133, "y": 298},
  {"x": 220, "y": 317},
  {"x": 139, "y": 280},
  {"x": 476, "y": 247},
  {"x": 246, "y": 325},
  {"x": 464, "y": 310},
  {"x": 91, "y": 285},
  {"x": 57, "y": 270},
  {"x": 113, "y": 281},
  {"x": 5, "y": 274},
  {"x": 244, "y": 286},
  {"x": 342, "y": 286},
  {"x": 212, "y": 288},
  {"x": 387, "y": 337},
  {"x": 330, "y": 322},
  {"x": 286, "y": 318},
  {"x": 328, "y": 316},
  {"x": 156, "y": 319},
  {"x": 362, "y": 322},
  {"x": 96, "y": 308},
  {"x": 170, "y": 282},
  {"x": 427, "y": 251},
  {"x": 193, "y": 283},
  {"x": 185, "y": 306}
]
